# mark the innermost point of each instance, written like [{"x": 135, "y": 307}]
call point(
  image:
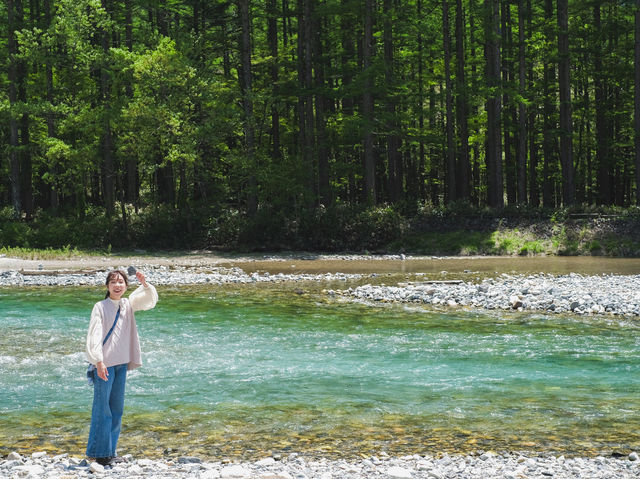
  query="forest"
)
[{"x": 206, "y": 119}]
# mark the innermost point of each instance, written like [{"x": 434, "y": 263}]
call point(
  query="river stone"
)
[
  {"x": 235, "y": 471},
  {"x": 515, "y": 302},
  {"x": 267, "y": 461},
  {"x": 14, "y": 456},
  {"x": 189, "y": 460},
  {"x": 210, "y": 474},
  {"x": 273, "y": 475},
  {"x": 633, "y": 456},
  {"x": 96, "y": 468},
  {"x": 32, "y": 470},
  {"x": 38, "y": 455},
  {"x": 135, "y": 470},
  {"x": 399, "y": 472}
]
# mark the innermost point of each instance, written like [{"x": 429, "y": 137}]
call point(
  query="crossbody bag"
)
[{"x": 92, "y": 367}]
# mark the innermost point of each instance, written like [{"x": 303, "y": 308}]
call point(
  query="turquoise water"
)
[{"x": 241, "y": 372}]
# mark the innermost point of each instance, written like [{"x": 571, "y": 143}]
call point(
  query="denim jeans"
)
[{"x": 106, "y": 414}]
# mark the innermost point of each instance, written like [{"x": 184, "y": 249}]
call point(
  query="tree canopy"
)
[{"x": 287, "y": 107}]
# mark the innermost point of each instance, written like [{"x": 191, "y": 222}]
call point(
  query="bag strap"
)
[{"x": 111, "y": 330}]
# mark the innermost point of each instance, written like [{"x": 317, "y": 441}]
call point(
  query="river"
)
[{"x": 244, "y": 371}]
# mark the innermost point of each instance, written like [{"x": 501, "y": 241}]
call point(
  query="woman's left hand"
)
[{"x": 141, "y": 278}]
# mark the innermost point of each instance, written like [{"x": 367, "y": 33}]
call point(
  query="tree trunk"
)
[
  {"x": 534, "y": 193},
  {"x": 367, "y": 105},
  {"x": 324, "y": 186},
  {"x": 247, "y": 103},
  {"x": 52, "y": 189},
  {"x": 549, "y": 130},
  {"x": 310, "y": 156},
  {"x": 566, "y": 121},
  {"x": 462, "y": 110},
  {"x": 14, "y": 159},
  {"x": 636, "y": 119},
  {"x": 495, "y": 184},
  {"x": 393, "y": 140},
  {"x": 601, "y": 105},
  {"x": 26, "y": 163},
  {"x": 109, "y": 169},
  {"x": 434, "y": 164},
  {"x": 522, "y": 108},
  {"x": 132, "y": 165},
  {"x": 450, "y": 172},
  {"x": 347, "y": 31},
  {"x": 272, "y": 40},
  {"x": 421, "y": 163},
  {"x": 508, "y": 110}
]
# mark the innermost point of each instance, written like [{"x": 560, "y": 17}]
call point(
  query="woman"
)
[{"x": 113, "y": 348}]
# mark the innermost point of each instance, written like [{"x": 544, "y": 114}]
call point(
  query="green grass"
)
[
  {"x": 517, "y": 242},
  {"x": 47, "y": 253}
]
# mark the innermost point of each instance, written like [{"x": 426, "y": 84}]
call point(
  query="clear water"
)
[{"x": 243, "y": 372}]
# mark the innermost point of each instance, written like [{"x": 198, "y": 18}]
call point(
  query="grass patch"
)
[{"x": 46, "y": 253}]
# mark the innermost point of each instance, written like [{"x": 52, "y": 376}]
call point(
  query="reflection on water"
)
[{"x": 241, "y": 372}]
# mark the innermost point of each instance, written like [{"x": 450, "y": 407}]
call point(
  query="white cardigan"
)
[{"x": 123, "y": 346}]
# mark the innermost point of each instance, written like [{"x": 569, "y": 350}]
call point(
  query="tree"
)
[
  {"x": 367, "y": 105},
  {"x": 522, "y": 107},
  {"x": 566, "y": 121},
  {"x": 637, "y": 98},
  {"x": 494, "y": 145},
  {"x": 450, "y": 176},
  {"x": 14, "y": 159},
  {"x": 245, "y": 77},
  {"x": 462, "y": 108}
]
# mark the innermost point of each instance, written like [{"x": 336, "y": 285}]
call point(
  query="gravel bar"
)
[{"x": 294, "y": 466}]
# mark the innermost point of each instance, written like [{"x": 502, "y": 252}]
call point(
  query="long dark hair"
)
[{"x": 113, "y": 273}]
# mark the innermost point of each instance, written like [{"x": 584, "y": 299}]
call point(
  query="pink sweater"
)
[{"x": 123, "y": 346}]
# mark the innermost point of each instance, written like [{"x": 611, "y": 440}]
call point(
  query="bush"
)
[{"x": 14, "y": 233}]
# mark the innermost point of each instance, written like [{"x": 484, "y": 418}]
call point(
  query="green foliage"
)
[{"x": 329, "y": 229}]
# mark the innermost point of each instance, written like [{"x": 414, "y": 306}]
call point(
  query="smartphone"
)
[{"x": 131, "y": 271}]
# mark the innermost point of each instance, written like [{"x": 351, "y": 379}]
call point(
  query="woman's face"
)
[{"x": 117, "y": 286}]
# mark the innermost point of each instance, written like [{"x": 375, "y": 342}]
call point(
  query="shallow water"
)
[
  {"x": 484, "y": 265},
  {"x": 246, "y": 371}
]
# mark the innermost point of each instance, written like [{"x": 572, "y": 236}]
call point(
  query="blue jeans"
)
[{"x": 106, "y": 414}]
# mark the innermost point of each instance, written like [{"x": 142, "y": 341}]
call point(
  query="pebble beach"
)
[
  {"x": 606, "y": 295},
  {"x": 294, "y": 466}
]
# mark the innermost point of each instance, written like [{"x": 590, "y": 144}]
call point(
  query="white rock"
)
[
  {"x": 14, "y": 456},
  {"x": 235, "y": 471},
  {"x": 32, "y": 470},
  {"x": 135, "y": 470},
  {"x": 145, "y": 462},
  {"x": 633, "y": 456},
  {"x": 38, "y": 455},
  {"x": 399, "y": 472},
  {"x": 96, "y": 468},
  {"x": 273, "y": 475},
  {"x": 267, "y": 461},
  {"x": 210, "y": 474}
]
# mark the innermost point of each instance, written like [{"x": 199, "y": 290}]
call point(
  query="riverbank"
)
[
  {"x": 470, "y": 283},
  {"x": 484, "y": 464}
]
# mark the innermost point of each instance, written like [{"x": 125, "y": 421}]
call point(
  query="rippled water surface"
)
[{"x": 241, "y": 372}]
